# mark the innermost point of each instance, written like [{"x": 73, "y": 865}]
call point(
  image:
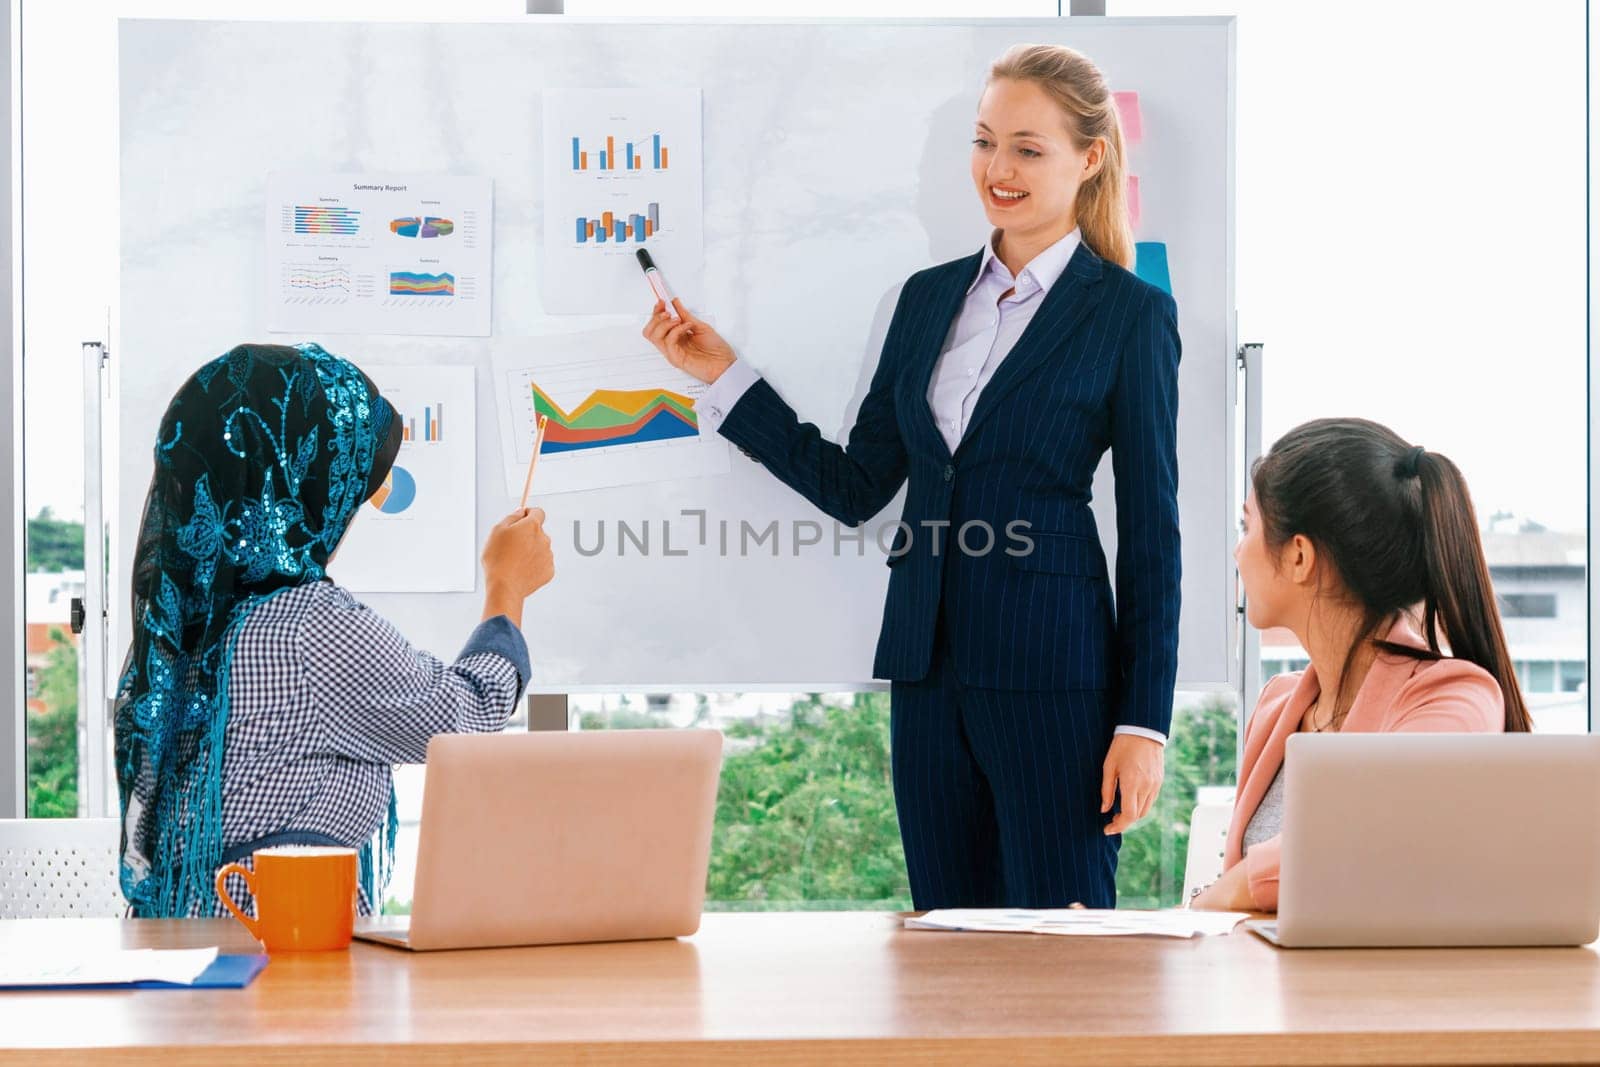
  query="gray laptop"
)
[
  {"x": 554, "y": 838},
  {"x": 1439, "y": 839}
]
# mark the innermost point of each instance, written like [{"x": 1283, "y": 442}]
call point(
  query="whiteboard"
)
[{"x": 836, "y": 165}]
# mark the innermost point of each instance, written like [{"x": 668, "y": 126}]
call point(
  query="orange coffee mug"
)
[{"x": 305, "y": 897}]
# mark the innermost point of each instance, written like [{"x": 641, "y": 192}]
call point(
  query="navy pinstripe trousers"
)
[{"x": 998, "y": 793}]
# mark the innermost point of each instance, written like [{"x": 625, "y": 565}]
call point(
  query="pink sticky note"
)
[
  {"x": 1132, "y": 121},
  {"x": 1133, "y": 200}
]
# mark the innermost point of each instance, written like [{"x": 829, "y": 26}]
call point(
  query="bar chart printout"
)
[
  {"x": 331, "y": 219},
  {"x": 623, "y": 169},
  {"x": 618, "y": 414},
  {"x": 431, "y": 429},
  {"x": 381, "y": 254},
  {"x": 635, "y": 228},
  {"x": 658, "y": 157},
  {"x": 426, "y": 509}
]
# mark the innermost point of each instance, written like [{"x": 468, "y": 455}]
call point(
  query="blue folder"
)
[{"x": 225, "y": 972}]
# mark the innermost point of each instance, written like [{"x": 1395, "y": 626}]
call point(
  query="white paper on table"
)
[
  {"x": 179, "y": 966},
  {"x": 362, "y": 253},
  {"x": 649, "y": 187},
  {"x": 1080, "y": 922},
  {"x": 419, "y": 532}
]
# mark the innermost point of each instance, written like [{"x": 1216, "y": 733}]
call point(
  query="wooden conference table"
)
[{"x": 793, "y": 988}]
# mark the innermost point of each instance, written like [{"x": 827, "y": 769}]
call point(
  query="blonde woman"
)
[{"x": 1028, "y": 716}]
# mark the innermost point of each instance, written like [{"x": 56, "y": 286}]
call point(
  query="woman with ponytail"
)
[
  {"x": 1028, "y": 717},
  {"x": 1368, "y": 549}
]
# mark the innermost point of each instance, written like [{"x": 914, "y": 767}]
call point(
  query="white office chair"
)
[
  {"x": 60, "y": 869},
  {"x": 1208, "y": 836}
]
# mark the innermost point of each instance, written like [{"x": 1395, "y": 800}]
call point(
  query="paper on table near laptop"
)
[
  {"x": 43, "y": 968},
  {"x": 1079, "y": 922}
]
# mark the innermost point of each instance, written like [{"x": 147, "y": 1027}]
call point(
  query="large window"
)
[
  {"x": 1386, "y": 172},
  {"x": 1409, "y": 249}
]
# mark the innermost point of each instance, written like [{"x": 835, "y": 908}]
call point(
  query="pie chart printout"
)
[{"x": 398, "y": 492}]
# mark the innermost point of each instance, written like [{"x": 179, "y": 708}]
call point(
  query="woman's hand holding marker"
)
[{"x": 689, "y": 343}]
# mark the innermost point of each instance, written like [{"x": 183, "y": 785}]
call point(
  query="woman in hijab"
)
[{"x": 261, "y": 704}]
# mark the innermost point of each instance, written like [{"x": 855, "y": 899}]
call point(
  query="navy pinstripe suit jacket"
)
[{"x": 1096, "y": 368}]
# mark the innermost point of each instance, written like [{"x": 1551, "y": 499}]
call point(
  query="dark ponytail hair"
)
[{"x": 1398, "y": 525}]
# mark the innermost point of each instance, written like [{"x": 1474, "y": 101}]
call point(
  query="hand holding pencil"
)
[
  {"x": 517, "y": 562},
  {"x": 517, "y": 559}
]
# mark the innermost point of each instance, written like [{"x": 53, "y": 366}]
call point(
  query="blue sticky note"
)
[{"x": 1150, "y": 265}]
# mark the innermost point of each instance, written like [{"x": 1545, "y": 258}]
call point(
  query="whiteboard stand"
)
[
  {"x": 92, "y": 615},
  {"x": 1250, "y": 638}
]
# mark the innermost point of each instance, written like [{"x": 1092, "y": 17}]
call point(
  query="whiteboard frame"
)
[{"x": 1592, "y": 291}]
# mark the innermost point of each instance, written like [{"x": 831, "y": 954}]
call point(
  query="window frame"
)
[
  {"x": 1592, "y": 28},
  {"x": 14, "y": 725}
]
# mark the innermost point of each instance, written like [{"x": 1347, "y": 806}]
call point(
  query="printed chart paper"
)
[
  {"x": 67, "y": 968},
  {"x": 356, "y": 253},
  {"x": 619, "y": 414},
  {"x": 1080, "y": 922},
  {"x": 418, "y": 533},
  {"x": 622, "y": 171}
]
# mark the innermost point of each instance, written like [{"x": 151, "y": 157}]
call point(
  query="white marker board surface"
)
[{"x": 836, "y": 164}]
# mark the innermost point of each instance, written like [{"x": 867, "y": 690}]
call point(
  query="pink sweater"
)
[{"x": 1398, "y": 694}]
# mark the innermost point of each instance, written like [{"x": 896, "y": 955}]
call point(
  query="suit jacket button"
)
[{"x": 949, "y": 471}]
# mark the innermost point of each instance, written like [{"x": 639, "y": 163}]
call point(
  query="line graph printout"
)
[
  {"x": 357, "y": 253},
  {"x": 618, "y": 414},
  {"x": 418, "y": 532},
  {"x": 622, "y": 171}
]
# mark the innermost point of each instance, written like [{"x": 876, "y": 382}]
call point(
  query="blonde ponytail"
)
[{"x": 1076, "y": 84}]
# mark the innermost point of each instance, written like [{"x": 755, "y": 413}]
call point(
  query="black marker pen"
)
[{"x": 657, "y": 283}]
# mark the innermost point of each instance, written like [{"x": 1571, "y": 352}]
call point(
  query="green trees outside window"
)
[
  {"x": 806, "y": 818},
  {"x": 53, "y": 734}
]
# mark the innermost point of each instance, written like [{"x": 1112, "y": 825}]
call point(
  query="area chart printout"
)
[
  {"x": 358, "y": 253},
  {"x": 622, "y": 171},
  {"x": 618, "y": 414},
  {"x": 418, "y": 532}
]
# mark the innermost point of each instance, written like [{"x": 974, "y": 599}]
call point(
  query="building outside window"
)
[{"x": 1527, "y": 606}]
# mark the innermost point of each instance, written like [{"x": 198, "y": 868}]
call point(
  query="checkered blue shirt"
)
[{"x": 326, "y": 696}]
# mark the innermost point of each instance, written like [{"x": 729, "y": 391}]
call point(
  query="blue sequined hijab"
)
[{"x": 262, "y": 459}]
